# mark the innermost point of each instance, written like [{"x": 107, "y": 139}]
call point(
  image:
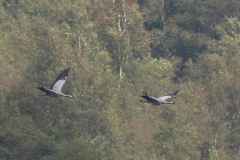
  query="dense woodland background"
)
[{"x": 116, "y": 49}]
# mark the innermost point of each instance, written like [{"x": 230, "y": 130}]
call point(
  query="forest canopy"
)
[{"x": 117, "y": 49}]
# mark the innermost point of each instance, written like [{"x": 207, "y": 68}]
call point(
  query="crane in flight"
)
[
  {"x": 55, "y": 89},
  {"x": 159, "y": 100}
]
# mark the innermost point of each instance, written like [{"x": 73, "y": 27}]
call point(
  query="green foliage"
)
[
  {"x": 213, "y": 153},
  {"x": 21, "y": 140},
  {"x": 117, "y": 49},
  {"x": 77, "y": 148},
  {"x": 219, "y": 72}
]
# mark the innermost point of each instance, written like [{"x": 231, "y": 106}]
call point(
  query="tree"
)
[{"x": 218, "y": 71}]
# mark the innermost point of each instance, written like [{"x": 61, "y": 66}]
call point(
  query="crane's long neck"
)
[
  {"x": 67, "y": 95},
  {"x": 169, "y": 102}
]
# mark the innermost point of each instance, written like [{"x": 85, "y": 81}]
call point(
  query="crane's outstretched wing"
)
[
  {"x": 58, "y": 83},
  {"x": 42, "y": 88},
  {"x": 167, "y": 96},
  {"x": 149, "y": 99}
]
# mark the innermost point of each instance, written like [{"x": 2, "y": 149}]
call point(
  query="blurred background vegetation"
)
[{"x": 116, "y": 49}]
